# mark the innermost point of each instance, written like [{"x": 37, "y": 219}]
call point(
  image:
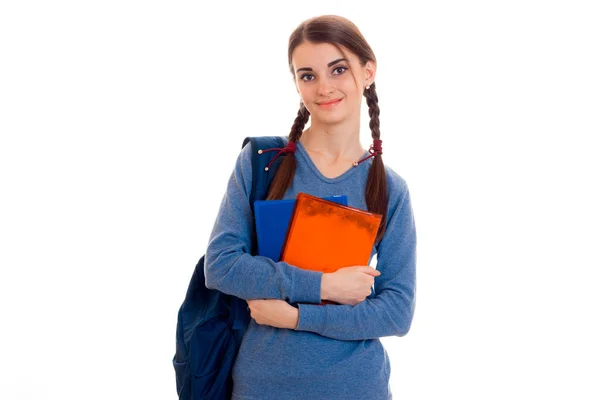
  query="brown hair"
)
[{"x": 338, "y": 31}]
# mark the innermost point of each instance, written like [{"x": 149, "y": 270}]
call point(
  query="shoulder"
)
[
  {"x": 252, "y": 144},
  {"x": 247, "y": 158}
]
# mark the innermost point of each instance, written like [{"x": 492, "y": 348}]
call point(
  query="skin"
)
[{"x": 332, "y": 140}]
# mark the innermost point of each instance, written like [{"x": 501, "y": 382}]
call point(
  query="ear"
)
[{"x": 370, "y": 70}]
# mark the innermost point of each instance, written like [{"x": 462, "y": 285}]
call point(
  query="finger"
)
[{"x": 371, "y": 271}]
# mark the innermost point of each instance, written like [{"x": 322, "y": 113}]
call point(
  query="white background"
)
[{"x": 120, "y": 124}]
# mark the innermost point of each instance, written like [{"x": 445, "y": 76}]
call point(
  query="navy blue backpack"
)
[{"x": 211, "y": 324}]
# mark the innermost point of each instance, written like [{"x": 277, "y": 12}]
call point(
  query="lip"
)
[{"x": 330, "y": 103}]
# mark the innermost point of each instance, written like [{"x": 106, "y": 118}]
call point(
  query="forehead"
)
[{"x": 318, "y": 55}]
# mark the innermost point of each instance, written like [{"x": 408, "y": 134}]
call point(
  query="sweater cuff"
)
[
  {"x": 311, "y": 318},
  {"x": 306, "y": 286}
]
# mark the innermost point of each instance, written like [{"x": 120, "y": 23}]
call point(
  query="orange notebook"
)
[{"x": 326, "y": 236}]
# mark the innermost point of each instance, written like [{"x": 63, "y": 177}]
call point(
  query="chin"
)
[
  {"x": 338, "y": 115},
  {"x": 333, "y": 119}
]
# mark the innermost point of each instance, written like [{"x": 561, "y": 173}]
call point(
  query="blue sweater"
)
[{"x": 335, "y": 351}]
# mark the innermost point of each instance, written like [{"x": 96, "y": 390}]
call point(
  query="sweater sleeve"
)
[
  {"x": 390, "y": 311},
  {"x": 230, "y": 268}
]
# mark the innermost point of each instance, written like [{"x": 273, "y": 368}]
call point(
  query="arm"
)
[
  {"x": 230, "y": 268},
  {"x": 390, "y": 311}
]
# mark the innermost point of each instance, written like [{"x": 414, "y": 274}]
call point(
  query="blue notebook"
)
[{"x": 272, "y": 220}]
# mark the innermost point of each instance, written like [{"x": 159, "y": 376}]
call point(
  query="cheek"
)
[
  {"x": 350, "y": 88},
  {"x": 305, "y": 94}
]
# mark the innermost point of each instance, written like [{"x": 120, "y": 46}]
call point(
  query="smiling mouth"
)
[{"x": 330, "y": 102}]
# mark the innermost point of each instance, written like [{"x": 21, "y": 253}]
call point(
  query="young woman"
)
[{"x": 314, "y": 351}]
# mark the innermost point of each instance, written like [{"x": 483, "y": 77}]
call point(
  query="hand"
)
[
  {"x": 274, "y": 312},
  {"x": 349, "y": 285}
]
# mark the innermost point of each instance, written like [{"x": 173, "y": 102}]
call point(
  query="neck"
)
[{"x": 333, "y": 143}]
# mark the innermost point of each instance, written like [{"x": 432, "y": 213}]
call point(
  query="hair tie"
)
[
  {"x": 375, "y": 149},
  {"x": 289, "y": 148}
]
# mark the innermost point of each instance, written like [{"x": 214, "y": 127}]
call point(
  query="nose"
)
[{"x": 325, "y": 87}]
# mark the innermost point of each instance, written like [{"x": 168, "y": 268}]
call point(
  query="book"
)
[
  {"x": 326, "y": 236},
  {"x": 272, "y": 218}
]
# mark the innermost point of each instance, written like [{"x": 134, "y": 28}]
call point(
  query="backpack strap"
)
[{"x": 261, "y": 179}]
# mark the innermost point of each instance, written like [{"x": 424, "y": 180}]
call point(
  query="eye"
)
[{"x": 335, "y": 69}]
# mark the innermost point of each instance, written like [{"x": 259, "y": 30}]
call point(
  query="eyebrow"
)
[{"x": 329, "y": 65}]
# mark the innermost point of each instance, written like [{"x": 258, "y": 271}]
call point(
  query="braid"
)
[
  {"x": 285, "y": 172},
  {"x": 299, "y": 124},
  {"x": 376, "y": 189},
  {"x": 373, "y": 103}
]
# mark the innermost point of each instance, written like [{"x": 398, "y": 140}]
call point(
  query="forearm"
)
[
  {"x": 256, "y": 277},
  {"x": 388, "y": 314}
]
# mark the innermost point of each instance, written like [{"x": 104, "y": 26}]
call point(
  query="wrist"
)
[
  {"x": 325, "y": 284},
  {"x": 296, "y": 318}
]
